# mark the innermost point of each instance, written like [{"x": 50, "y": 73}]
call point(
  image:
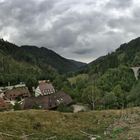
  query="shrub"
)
[
  {"x": 64, "y": 108},
  {"x": 17, "y": 106}
]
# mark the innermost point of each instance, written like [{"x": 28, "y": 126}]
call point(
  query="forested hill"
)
[
  {"x": 127, "y": 54},
  {"x": 30, "y": 62},
  {"x": 43, "y": 56},
  {"x": 40, "y": 57},
  {"x": 114, "y": 83}
]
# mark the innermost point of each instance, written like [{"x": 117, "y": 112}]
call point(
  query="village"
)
[{"x": 45, "y": 97}]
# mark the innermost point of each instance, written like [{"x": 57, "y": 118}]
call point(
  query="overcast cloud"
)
[{"x": 77, "y": 29}]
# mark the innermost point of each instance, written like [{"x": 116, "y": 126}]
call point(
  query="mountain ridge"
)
[
  {"x": 30, "y": 63},
  {"x": 126, "y": 54},
  {"x": 34, "y": 51}
]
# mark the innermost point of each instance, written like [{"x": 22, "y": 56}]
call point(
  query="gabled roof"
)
[
  {"x": 16, "y": 92},
  {"x": 45, "y": 86},
  {"x": 44, "y": 89}
]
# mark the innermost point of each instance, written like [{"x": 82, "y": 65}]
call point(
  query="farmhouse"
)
[
  {"x": 47, "y": 102},
  {"x": 45, "y": 96},
  {"x": 16, "y": 93},
  {"x": 44, "y": 88}
]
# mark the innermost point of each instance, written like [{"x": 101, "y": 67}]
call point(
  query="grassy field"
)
[{"x": 45, "y": 125}]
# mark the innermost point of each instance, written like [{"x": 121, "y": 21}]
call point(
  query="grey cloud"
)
[
  {"x": 78, "y": 29},
  {"x": 119, "y": 3},
  {"x": 83, "y": 51}
]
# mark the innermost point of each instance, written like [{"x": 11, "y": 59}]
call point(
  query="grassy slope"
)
[{"x": 67, "y": 126}]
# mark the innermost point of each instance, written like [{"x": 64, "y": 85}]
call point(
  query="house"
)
[
  {"x": 16, "y": 93},
  {"x": 3, "y": 104},
  {"x": 47, "y": 102},
  {"x": 44, "y": 88}
]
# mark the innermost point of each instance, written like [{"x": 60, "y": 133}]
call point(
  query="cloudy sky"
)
[{"x": 78, "y": 29}]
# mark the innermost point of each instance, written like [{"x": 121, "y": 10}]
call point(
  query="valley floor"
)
[{"x": 45, "y": 125}]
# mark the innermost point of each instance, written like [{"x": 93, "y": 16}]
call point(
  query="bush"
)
[
  {"x": 17, "y": 106},
  {"x": 36, "y": 106},
  {"x": 64, "y": 108}
]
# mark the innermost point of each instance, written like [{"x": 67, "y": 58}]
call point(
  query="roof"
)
[
  {"x": 15, "y": 92},
  {"x": 44, "y": 89},
  {"x": 61, "y": 96},
  {"x": 44, "y": 86},
  {"x": 47, "y": 102}
]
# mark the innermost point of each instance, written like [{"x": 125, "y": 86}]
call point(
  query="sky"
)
[{"x": 82, "y": 30}]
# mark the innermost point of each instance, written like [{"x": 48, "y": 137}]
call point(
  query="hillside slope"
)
[
  {"x": 30, "y": 63},
  {"x": 111, "y": 82},
  {"x": 41, "y": 57},
  {"x": 127, "y": 54},
  {"x": 14, "y": 71},
  {"x": 39, "y": 124}
]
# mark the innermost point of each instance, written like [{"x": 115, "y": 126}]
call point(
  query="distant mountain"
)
[
  {"x": 44, "y": 57},
  {"x": 41, "y": 57},
  {"x": 32, "y": 60}
]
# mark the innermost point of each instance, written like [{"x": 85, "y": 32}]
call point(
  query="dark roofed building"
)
[
  {"x": 47, "y": 102},
  {"x": 62, "y": 97},
  {"x": 17, "y": 93}
]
